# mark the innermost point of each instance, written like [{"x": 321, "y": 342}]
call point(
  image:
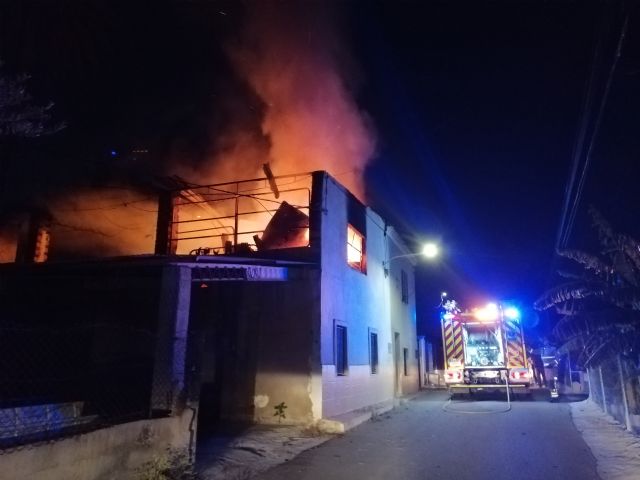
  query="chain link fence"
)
[
  {"x": 615, "y": 387},
  {"x": 76, "y": 357},
  {"x": 56, "y": 382}
]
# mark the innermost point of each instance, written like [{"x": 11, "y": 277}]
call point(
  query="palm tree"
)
[{"x": 599, "y": 305}]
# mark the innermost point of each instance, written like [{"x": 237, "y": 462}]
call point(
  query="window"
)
[
  {"x": 373, "y": 351},
  {"x": 355, "y": 249},
  {"x": 405, "y": 358},
  {"x": 404, "y": 280},
  {"x": 341, "y": 350}
]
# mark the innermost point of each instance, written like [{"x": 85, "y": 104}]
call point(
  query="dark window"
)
[
  {"x": 404, "y": 280},
  {"x": 341, "y": 350},
  {"x": 373, "y": 351},
  {"x": 357, "y": 214},
  {"x": 405, "y": 358}
]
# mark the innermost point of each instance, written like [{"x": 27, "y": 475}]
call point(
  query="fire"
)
[
  {"x": 355, "y": 247},
  {"x": 103, "y": 222},
  {"x": 289, "y": 54},
  {"x": 239, "y": 213}
]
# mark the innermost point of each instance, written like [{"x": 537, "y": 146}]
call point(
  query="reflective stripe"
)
[
  {"x": 453, "y": 340},
  {"x": 515, "y": 350}
]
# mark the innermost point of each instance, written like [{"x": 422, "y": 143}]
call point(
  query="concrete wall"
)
[
  {"x": 289, "y": 352},
  {"x": 168, "y": 386},
  {"x": 359, "y": 301},
  {"x": 106, "y": 454},
  {"x": 258, "y": 345},
  {"x": 403, "y": 314}
]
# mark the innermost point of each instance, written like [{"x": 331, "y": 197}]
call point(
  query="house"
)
[
  {"x": 337, "y": 336},
  {"x": 308, "y": 305}
]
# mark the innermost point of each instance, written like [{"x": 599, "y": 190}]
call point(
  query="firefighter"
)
[{"x": 538, "y": 367}]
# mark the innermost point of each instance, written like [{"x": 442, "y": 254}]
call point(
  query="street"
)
[{"x": 419, "y": 440}]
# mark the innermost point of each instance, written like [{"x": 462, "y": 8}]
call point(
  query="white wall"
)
[
  {"x": 403, "y": 315},
  {"x": 360, "y": 302}
]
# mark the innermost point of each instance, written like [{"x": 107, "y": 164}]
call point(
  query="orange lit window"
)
[{"x": 355, "y": 249}]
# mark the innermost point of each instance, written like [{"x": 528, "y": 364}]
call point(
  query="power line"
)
[
  {"x": 579, "y": 142},
  {"x": 568, "y": 214},
  {"x": 596, "y": 129}
]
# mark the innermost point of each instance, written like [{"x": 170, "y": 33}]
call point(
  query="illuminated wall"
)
[
  {"x": 255, "y": 347},
  {"x": 403, "y": 311},
  {"x": 362, "y": 300}
]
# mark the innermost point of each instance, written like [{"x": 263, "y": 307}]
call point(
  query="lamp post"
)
[
  {"x": 443, "y": 296},
  {"x": 429, "y": 251}
]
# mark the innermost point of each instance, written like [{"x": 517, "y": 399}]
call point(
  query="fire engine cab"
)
[{"x": 484, "y": 349}]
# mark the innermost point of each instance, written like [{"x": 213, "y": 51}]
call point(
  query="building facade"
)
[
  {"x": 315, "y": 320},
  {"x": 368, "y": 330}
]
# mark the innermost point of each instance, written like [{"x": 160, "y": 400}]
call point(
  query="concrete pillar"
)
[
  {"x": 168, "y": 387},
  {"x": 604, "y": 395},
  {"x": 33, "y": 241},
  {"x": 625, "y": 402},
  {"x": 166, "y": 226},
  {"x": 422, "y": 362}
]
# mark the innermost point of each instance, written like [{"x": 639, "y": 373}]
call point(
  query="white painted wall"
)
[
  {"x": 403, "y": 315},
  {"x": 360, "y": 302}
]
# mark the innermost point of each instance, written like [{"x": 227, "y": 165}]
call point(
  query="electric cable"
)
[
  {"x": 596, "y": 128},
  {"x": 570, "y": 207},
  {"x": 577, "y": 148}
]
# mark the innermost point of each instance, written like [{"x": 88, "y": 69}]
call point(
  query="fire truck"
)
[{"x": 484, "y": 349}]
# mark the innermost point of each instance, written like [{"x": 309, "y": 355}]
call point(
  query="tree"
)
[
  {"x": 19, "y": 116},
  {"x": 599, "y": 305}
]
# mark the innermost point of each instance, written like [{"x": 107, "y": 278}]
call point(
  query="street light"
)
[
  {"x": 429, "y": 251},
  {"x": 443, "y": 296}
]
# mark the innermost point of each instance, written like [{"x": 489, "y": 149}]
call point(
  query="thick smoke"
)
[
  {"x": 292, "y": 57},
  {"x": 291, "y": 104}
]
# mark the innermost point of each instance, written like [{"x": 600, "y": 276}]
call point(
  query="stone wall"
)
[{"x": 116, "y": 452}]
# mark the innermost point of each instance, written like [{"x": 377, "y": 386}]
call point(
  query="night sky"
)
[
  {"x": 475, "y": 108},
  {"x": 479, "y": 107}
]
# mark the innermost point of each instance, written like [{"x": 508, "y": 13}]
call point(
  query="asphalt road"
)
[{"x": 535, "y": 440}]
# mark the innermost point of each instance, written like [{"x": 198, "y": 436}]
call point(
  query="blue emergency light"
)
[{"x": 512, "y": 313}]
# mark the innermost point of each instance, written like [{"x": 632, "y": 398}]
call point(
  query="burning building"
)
[
  {"x": 259, "y": 292},
  {"x": 196, "y": 300}
]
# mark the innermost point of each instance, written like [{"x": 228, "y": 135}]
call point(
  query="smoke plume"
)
[
  {"x": 292, "y": 57},
  {"x": 285, "y": 95}
]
